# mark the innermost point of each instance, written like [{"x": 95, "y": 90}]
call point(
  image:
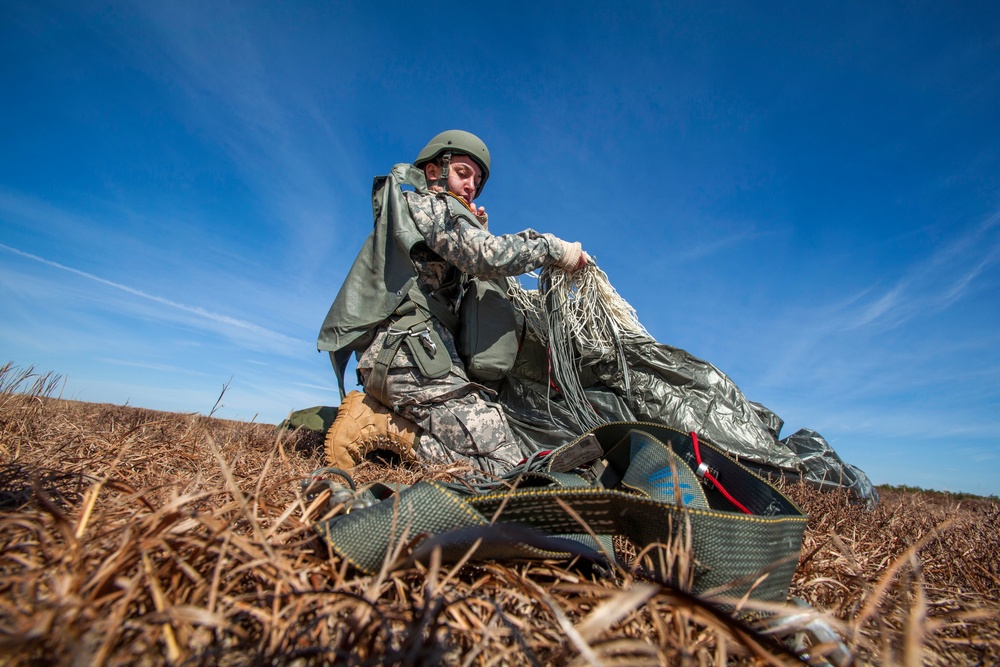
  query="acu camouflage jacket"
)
[{"x": 417, "y": 238}]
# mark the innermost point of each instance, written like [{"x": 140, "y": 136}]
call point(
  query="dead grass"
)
[
  {"x": 129, "y": 536},
  {"x": 917, "y": 580}
]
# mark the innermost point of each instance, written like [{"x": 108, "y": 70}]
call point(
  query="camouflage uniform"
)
[{"x": 459, "y": 417}]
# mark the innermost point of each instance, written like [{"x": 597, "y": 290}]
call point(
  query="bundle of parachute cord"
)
[{"x": 581, "y": 318}]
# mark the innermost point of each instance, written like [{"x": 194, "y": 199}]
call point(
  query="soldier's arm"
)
[{"x": 477, "y": 251}]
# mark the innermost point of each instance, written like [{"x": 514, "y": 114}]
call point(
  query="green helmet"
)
[{"x": 459, "y": 142}]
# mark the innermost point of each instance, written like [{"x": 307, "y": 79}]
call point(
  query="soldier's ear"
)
[{"x": 432, "y": 171}]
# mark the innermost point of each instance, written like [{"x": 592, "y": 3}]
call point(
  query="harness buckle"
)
[
  {"x": 424, "y": 335},
  {"x": 425, "y": 340}
]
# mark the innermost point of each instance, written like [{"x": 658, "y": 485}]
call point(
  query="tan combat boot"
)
[{"x": 363, "y": 425}]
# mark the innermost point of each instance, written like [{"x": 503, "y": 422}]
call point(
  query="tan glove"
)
[{"x": 573, "y": 257}]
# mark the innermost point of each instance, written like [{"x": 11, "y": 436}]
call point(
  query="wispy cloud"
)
[
  {"x": 168, "y": 368},
  {"x": 872, "y": 421},
  {"x": 278, "y": 338},
  {"x": 934, "y": 284},
  {"x": 19, "y": 209},
  {"x": 846, "y": 347},
  {"x": 878, "y": 310},
  {"x": 267, "y": 118},
  {"x": 720, "y": 242}
]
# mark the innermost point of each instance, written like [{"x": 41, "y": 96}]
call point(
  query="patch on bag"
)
[
  {"x": 585, "y": 450},
  {"x": 664, "y": 481}
]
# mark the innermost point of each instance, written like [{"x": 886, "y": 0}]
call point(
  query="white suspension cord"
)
[{"x": 582, "y": 319}]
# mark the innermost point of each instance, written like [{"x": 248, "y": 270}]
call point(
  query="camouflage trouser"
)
[{"x": 459, "y": 419}]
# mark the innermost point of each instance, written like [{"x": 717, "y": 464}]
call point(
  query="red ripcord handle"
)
[{"x": 710, "y": 477}]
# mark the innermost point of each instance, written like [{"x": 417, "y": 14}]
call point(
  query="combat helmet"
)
[{"x": 457, "y": 142}]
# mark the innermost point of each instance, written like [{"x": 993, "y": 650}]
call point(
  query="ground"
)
[{"x": 129, "y": 536}]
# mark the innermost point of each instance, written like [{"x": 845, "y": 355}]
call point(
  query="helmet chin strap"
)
[{"x": 442, "y": 180}]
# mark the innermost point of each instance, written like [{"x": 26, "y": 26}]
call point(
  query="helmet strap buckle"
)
[{"x": 445, "y": 168}]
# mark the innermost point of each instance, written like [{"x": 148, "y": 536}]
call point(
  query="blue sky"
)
[{"x": 806, "y": 195}]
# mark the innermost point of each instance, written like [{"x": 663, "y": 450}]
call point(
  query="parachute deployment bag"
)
[
  {"x": 487, "y": 333},
  {"x": 639, "y": 480}
]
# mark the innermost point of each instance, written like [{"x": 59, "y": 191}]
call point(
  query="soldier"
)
[{"x": 397, "y": 311}]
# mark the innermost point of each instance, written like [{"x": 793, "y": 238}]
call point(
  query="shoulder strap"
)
[{"x": 435, "y": 306}]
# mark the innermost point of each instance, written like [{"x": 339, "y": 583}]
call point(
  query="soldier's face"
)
[{"x": 464, "y": 176}]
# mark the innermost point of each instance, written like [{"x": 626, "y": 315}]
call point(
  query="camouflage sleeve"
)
[{"x": 477, "y": 251}]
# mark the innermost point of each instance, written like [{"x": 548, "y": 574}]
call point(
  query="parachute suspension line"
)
[
  {"x": 583, "y": 320},
  {"x": 566, "y": 361}
]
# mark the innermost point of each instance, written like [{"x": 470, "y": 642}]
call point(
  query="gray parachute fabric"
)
[
  {"x": 638, "y": 378},
  {"x": 824, "y": 468}
]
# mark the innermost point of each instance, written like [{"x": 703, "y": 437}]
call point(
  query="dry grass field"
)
[{"x": 129, "y": 536}]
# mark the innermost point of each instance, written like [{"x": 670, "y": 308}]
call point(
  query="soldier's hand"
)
[
  {"x": 480, "y": 214},
  {"x": 582, "y": 262},
  {"x": 573, "y": 257}
]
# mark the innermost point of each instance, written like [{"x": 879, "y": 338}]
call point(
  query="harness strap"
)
[
  {"x": 410, "y": 318},
  {"x": 435, "y": 306},
  {"x": 407, "y": 320}
]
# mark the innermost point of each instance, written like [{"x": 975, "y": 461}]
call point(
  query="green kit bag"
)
[
  {"x": 644, "y": 481},
  {"x": 487, "y": 334}
]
